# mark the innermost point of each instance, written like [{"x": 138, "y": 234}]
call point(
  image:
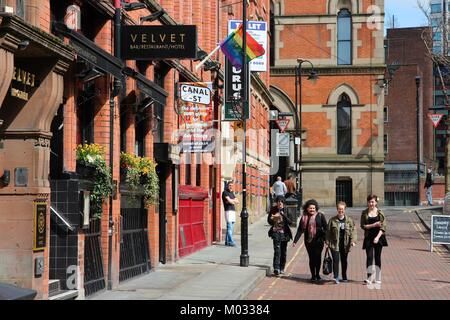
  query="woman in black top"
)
[
  {"x": 280, "y": 234},
  {"x": 314, "y": 225},
  {"x": 373, "y": 222}
]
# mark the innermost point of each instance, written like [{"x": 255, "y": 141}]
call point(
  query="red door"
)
[{"x": 191, "y": 231}]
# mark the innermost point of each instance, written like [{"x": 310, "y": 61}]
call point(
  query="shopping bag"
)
[{"x": 327, "y": 266}]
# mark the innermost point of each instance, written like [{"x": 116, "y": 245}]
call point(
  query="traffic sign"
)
[
  {"x": 283, "y": 144},
  {"x": 435, "y": 118},
  {"x": 282, "y": 124}
]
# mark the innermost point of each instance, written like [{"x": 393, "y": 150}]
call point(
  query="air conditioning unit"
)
[{"x": 6, "y": 9}]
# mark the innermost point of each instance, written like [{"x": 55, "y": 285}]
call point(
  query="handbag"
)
[{"x": 327, "y": 266}]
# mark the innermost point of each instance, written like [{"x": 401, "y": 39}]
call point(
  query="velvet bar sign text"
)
[{"x": 159, "y": 42}]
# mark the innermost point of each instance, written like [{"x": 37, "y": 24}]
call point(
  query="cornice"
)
[
  {"x": 262, "y": 88},
  {"x": 13, "y": 28},
  {"x": 330, "y": 70},
  {"x": 9, "y": 42}
]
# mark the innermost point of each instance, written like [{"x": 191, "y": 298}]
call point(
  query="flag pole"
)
[{"x": 206, "y": 58}]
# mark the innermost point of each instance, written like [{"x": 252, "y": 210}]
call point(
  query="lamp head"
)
[
  {"x": 313, "y": 75},
  {"x": 133, "y": 6},
  {"x": 417, "y": 80},
  {"x": 154, "y": 16}
]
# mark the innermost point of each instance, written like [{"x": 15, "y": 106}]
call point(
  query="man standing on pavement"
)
[
  {"x": 229, "y": 202},
  {"x": 279, "y": 188},
  {"x": 290, "y": 186},
  {"x": 428, "y": 185}
]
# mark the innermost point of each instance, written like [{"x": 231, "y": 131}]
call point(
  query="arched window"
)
[
  {"x": 344, "y": 37},
  {"x": 344, "y": 125}
]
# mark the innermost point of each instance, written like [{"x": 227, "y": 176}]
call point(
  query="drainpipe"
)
[{"x": 114, "y": 93}]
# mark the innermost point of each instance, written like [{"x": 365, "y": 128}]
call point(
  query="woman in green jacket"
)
[
  {"x": 373, "y": 222},
  {"x": 341, "y": 237}
]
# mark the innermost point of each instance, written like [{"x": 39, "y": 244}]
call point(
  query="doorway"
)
[{"x": 344, "y": 191}]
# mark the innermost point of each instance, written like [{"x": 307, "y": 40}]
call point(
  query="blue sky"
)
[{"x": 406, "y": 12}]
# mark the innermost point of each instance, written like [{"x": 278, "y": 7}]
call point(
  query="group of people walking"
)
[{"x": 338, "y": 235}]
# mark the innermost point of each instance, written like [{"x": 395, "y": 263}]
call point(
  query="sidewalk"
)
[
  {"x": 213, "y": 273},
  {"x": 425, "y": 214}
]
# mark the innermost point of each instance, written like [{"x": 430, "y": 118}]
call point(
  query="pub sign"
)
[
  {"x": 159, "y": 42},
  {"x": 40, "y": 225}
]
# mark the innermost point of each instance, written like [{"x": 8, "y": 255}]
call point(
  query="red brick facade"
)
[
  {"x": 405, "y": 47},
  {"x": 98, "y": 26},
  {"x": 308, "y": 30}
]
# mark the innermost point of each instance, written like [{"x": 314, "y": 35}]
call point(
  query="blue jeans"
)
[
  {"x": 229, "y": 236},
  {"x": 429, "y": 194}
]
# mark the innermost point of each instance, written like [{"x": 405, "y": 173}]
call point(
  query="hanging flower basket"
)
[
  {"x": 91, "y": 164},
  {"x": 140, "y": 176}
]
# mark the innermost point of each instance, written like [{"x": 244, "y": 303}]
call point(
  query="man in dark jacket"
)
[
  {"x": 428, "y": 185},
  {"x": 280, "y": 233}
]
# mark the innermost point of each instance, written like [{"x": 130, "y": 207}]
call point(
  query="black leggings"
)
[
  {"x": 314, "y": 249},
  {"x": 370, "y": 251},
  {"x": 343, "y": 255}
]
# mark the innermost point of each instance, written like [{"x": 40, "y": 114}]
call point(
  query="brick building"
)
[
  {"x": 84, "y": 93},
  {"x": 341, "y": 112},
  {"x": 408, "y": 55}
]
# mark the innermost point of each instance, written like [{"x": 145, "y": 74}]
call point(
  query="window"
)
[
  {"x": 434, "y": 22},
  {"x": 344, "y": 125},
  {"x": 437, "y": 49},
  {"x": 385, "y": 142},
  {"x": 85, "y": 114},
  {"x": 139, "y": 143},
  {"x": 198, "y": 174},
  {"x": 437, "y": 36},
  {"x": 188, "y": 173},
  {"x": 160, "y": 73},
  {"x": 20, "y": 8},
  {"x": 436, "y": 8},
  {"x": 385, "y": 113},
  {"x": 344, "y": 37}
]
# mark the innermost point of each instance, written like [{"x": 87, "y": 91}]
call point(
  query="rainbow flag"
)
[{"x": 232, "y": 47}]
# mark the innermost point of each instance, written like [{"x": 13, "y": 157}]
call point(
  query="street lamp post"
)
[
  {"x": 244, "y": 258},
  {"x": 418, "y": 138},
  {"x": 298, "y": 126}
]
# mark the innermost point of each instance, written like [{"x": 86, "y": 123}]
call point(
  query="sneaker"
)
[
  {"x": 336, "y": 280},
  {"x": 318, "y": 279},
  {"x": 344, "y": 280},
  {"x": 378, "y": 281},
  {"x": 368, "y": 281},
  {"x": 282, "y": 271},
  {"x": 276, "y": 272},
  {"x": 313, "y": 279}
]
